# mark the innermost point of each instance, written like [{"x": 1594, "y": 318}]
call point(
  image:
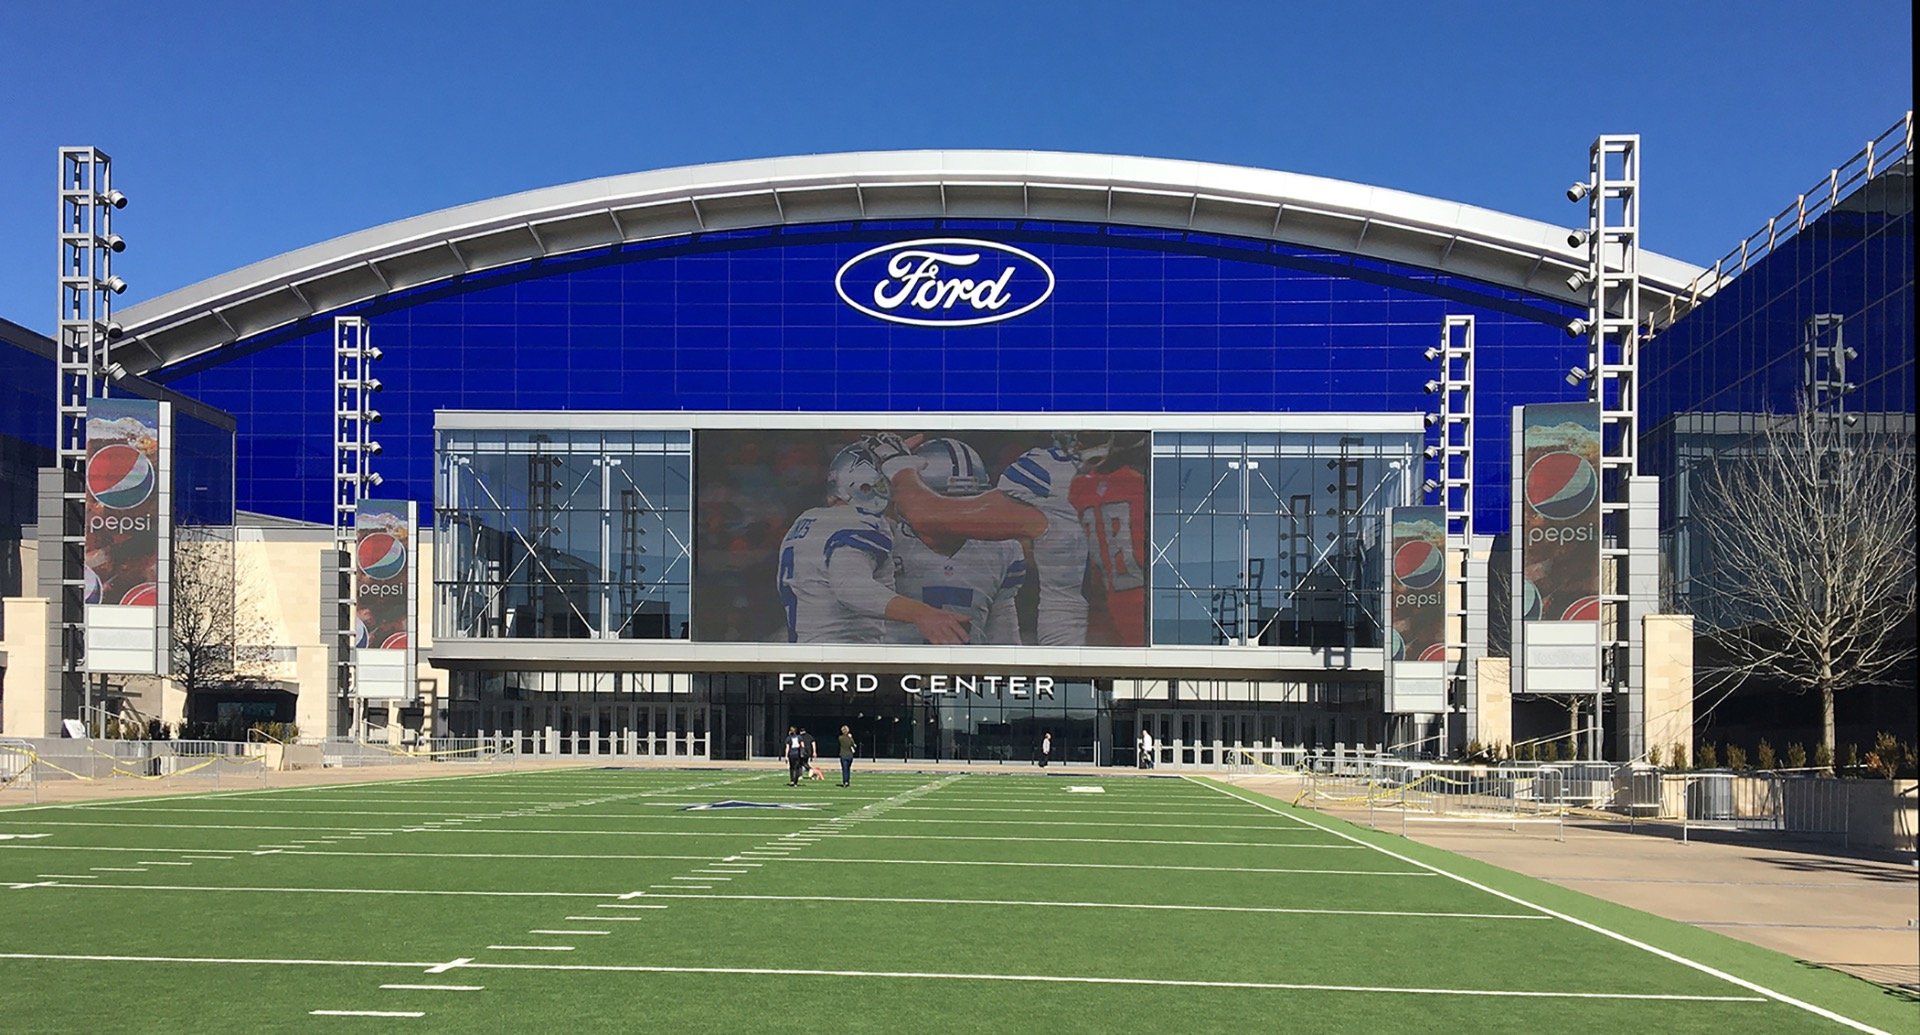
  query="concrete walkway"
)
[{"x": 1853, "y": 913}]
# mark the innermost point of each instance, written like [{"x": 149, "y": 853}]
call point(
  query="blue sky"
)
[{"x": 242, "y": 130}]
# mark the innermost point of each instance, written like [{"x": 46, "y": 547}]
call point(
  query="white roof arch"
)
[{"x": 1258, "y": 204}]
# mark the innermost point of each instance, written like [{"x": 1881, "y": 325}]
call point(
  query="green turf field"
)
[{"x": 595, "y": 900}]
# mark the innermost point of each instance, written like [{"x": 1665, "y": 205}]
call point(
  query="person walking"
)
[
  {"x": 796, "y": 756},
  {"x": 1146, "y": 748},
  {"x": 846, "y": 757},
  {"x": 1046, "y": 747}
]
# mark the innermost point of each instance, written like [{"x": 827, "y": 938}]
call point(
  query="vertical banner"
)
[
  {"x": 1560, "y": 515},
  {"x": 129, "y": 534},
  {"x": 383, "y": 599},
  {"x": 1416, "y": 580},
  {"x": 1557, "y": 529},
  {"x": 1416, "y": 606}
]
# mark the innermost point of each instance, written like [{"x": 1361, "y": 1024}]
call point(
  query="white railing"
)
[
  {"x": 28, "y": 762},
  {"x": 1883, "y": 152}
]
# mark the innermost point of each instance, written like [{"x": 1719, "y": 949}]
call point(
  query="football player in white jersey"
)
[
  {"x": 978, "y": 578},
  {"x": 836, "y": 567},
  {"x": 1029, "y": 504}
]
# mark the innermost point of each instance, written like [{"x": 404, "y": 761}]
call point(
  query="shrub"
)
[
  {"x": 1822, "y": 758},
  {"x": 1884, "y": 760},
  {"x": 1850, "y": 758},
  {"x": 1550, "y": 751},
  {"x": 1679, "y": 760},
  {"x": 1796, "y": 757},
  {"x": 1653, "y": 756},
  {"x": 1709, "y": 756},
  {"x": 1763, "y": 756},
  {"x": 1736, "y": 757}
]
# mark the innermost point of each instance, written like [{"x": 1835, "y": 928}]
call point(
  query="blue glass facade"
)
[{"x": 1141, "y": 320}]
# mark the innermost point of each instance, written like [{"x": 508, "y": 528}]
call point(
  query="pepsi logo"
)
[
  {"x": 1561, "y": 486},
  {"x": 93, "y": 586},
  {"x": 944, "y": 282},
  {"x": 1396, "y": 646},
  {"x": 398, "y": 641},
  {"x": 119, "y": 477},
  {"x": 382, "y": 556},
  {"x": 359, "y": 633},
  {"x": 1585, "y": 609},
  {"x": 1417, "y": 564},
  {"x": 1529, "y": 600},
  {"x": 146, "y": 594},
  {"x": 1437, "y": 652}
]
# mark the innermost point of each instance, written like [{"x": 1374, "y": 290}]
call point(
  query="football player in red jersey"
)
[{"x": 1110, "y": 495}]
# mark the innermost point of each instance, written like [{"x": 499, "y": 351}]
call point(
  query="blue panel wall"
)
[{"x": 1140, "y": 320}]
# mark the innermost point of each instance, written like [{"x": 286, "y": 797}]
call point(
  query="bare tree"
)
[
  {"x": 215, "y": 620},
  {"x": 1805, "y": 566}
]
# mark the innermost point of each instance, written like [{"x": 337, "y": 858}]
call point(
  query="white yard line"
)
[
  {"x": 532, "y": 948},
  {"x": 366, "y": 1013},
  {"x": 1117, "y": 866},
  {"x": 436, "y": 988},
  {"x": 611, "y": 919},
  {"x": 548, "y": 930},
  {"x": 341, "y": 891},
  {"x": 468, "y": 964},
  {"x": 1149, "y": 906},
  {"x": 1576, "y": 921}
]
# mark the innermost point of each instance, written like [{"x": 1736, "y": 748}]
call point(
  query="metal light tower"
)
[
  {"x": 87, "y": 287},
  {"x": 1612, "y": 374},
  {"x": 353, "y": 453},
  {"x": 1454, "y": 482}
]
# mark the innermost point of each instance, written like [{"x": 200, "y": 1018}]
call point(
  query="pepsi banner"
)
[
  {"x": 123, "y": 502},
  {"x": 1560, "y": 513},
  {"x": 1416, "y": 581},
  {"x": 383, "y": 599},
  {"x": 127, "y": 534}
]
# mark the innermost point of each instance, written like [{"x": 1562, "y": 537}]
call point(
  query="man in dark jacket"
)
[{"x": 796, "y": 748}]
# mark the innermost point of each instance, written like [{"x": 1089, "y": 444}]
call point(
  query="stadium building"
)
[{"x": 1107, "y": 443}]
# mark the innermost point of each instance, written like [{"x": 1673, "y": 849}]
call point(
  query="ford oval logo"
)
[{"x": 944, "y": 282}]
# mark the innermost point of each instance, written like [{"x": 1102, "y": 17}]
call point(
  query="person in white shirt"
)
[{"x": 1046, "y": 747}]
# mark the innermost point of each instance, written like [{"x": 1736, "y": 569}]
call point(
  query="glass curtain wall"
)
[
  {"x": 1271, "y": 539},
  {"x": 565, "y": 534}
]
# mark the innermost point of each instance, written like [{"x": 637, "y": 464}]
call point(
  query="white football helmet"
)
[
  {"x": 1092, "y": 448},
  {"x": 853, "y": 477},
  {"x": 950, "y": 467}
]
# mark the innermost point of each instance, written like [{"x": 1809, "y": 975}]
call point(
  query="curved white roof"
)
[{"x": 1259, "y": 204}]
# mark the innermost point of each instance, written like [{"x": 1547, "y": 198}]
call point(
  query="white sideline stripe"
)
[
  {"x": 1576, "y": 921},
  {"x": 626, "y": 906},
  {"x": 1156, "y": 906},
  {"x": 156, "y": 862},
  {"x": 117, "y": 869},
  {"x": 1110, "y": 841},
  {"x": 437, "y": 988},
  {"x": 208, "y": 857},
  {"x": 531, "y": 948},
  {"x": 545, "y": 930},
  {"x": 611, "y": 919},
  {"x": 367, "y": 1013},
  {"x": 68, "y": 876},
  {"x": 1119, "y": 866},
  {"x": 468, "y": 964}
]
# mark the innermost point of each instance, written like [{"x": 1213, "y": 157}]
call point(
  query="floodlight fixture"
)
[
  {"x": 371, "y": 384},
  {"x": 1578, "y": 375},
  {"x": 114, "y": 284},
  {"x": 1430, "y": 485},
  {"x": 373, "y": 478},
  {"x": 1431, "y": 387},
  {"x": 1430, "y": 419},
  {"x": 1577, "y": 281},
  {"x": 1432, "y": 353},
  {"x": 1577, "y": 327},
  {"x": 371, "y": 416},
  {"x": 112, "y": 198},
  {"x": 113, "y": 242},
  {"x": 115, "y": 332},
  {"x": 1579, "y": 190},
  {"x": 1433, "y": 452},
  {"x": 1576, "y": 238}
]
